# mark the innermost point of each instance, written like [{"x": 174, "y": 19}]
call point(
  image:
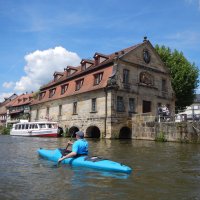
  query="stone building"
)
[{"x": 101, "y": 95}]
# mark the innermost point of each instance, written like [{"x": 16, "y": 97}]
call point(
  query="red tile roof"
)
[
  {"x": 88, "y": 74},
  {"x": 88, "y": 85},
  {"x": 87, "y": 60},
  {"x": 109, "y": 60},
  {"x": 71, "y": 67},
  {"x": 23, "y": 99}
]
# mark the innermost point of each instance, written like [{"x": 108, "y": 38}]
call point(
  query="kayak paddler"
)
[{"x": 79, "y": 147}]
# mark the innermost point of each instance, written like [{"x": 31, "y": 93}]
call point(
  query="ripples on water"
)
[{"x": 160, "y": 171}]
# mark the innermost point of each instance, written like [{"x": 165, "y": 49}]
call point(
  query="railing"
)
[{"x": 176, "y": 118}]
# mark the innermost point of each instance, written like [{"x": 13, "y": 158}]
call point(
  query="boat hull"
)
[
  {"x": 35, "y": 134},
  {"x": 85, "y": 161}
]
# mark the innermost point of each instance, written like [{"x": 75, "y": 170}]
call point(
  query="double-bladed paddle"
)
[{"x": 66, "y": 147}]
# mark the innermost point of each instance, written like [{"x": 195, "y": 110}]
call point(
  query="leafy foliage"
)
[
  {"x": 35, "y": 95},
  {"x": 5, "y": 130},
  {"x": 184, "y": 75},
  {"x": 161, "y": 137}
]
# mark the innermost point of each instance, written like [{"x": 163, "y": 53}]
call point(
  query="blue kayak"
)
[{"x": 84, "y": 161}]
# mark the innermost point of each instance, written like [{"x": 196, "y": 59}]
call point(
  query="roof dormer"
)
[
  {"x": 70, "y": 70},
  {"x": 99, "y": 58},
  {"x": 24, "y": 99},
  {"x": 57, "y": 75},
  {"x": 86, "y": 63},
  {"x": 30, "y": 98}
]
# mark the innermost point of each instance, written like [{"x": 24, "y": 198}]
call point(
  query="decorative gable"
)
[{"x": 145, "y": 55}]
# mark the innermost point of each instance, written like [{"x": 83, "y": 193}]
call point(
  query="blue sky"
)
[{"x": 42, "y": 36}]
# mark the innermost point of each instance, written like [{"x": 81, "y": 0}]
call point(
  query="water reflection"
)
[{"x": 97, "y": 174}]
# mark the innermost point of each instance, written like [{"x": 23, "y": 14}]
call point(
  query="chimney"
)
[{"x": 145, "y": 39}]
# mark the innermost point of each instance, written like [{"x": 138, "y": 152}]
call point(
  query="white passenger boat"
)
[{"x": 35, "y": 129}]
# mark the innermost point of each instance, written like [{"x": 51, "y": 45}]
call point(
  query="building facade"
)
[
  {"x": 101, "y": 95},
  {"x": 3, "y": 109},
  {"x": 19, "y": 108}
]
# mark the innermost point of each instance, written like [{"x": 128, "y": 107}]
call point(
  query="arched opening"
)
[
  {"x": 72, "y": 131},
  {"x": 125, "y": 133},
  {"x": 93, "y": 132}
]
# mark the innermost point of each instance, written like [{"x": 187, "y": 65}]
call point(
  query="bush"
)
[
  {"x": 5, "y": 130},
  {"x": 161, "y": 137}
]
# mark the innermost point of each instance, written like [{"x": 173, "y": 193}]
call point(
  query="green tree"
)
[
  {"x": 35, "y": 94},
  {"x": 184, "y": 75}
]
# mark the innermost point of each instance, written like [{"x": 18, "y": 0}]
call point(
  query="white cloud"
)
[
  {"x": 190, "y": 36},
  {"x": 8, "y": 84},
  {"x": 40, "y": 66},
  {"x": 183, "y": 40},
  {"x": 4, "y": 95},
  {"x": 194, "y": 2}
]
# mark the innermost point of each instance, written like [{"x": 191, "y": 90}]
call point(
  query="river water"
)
[{"x": 160, "y": 171}]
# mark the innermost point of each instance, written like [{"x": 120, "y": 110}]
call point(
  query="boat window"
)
[
  {"x": 31, "y": 126},
  {"x": 23, "y": 126},
  {"x": 34, "y": 126},
  {"x": 26, "y": 126},
  {"x": 49, "y": 125},
  {"x": 20, "y": 126},
  {"x": 42, "y": 125},
  {"x": 16, "y": 127},
  {"x": 54, "y": 125}
]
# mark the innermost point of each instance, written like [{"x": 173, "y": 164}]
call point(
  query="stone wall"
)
[
  {"x": 146, "y": 127},
  {"x": 84, "y": 118}
]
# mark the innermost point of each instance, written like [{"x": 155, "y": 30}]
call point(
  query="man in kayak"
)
[{"x": 79, "y": 147}]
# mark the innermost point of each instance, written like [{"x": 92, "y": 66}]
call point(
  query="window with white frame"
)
[
  {"x": 64, "y": 88},
  {"x": 79, "y": 84},
  {"x": 97, "y": 78},
  {"x": 52, "y": 92},
  {"x": 41, "y": 95}
]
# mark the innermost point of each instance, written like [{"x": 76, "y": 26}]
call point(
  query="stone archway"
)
[
  {"x": 93, "y": 132},
  {"x": 125, "y": 133},
  {"x": 72, "y": 131}
]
